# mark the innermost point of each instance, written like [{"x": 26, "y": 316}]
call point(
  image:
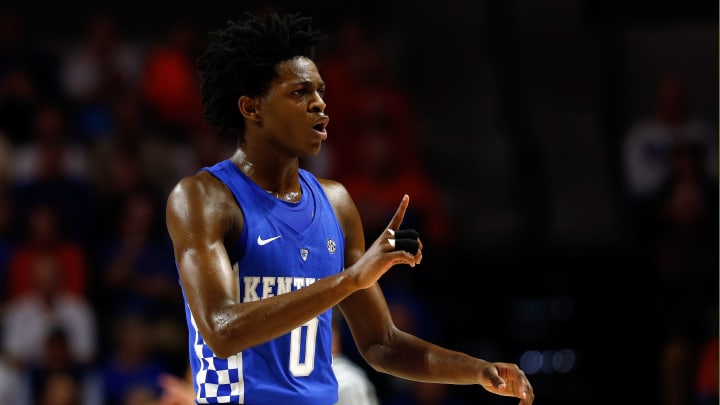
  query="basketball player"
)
[{"x": 265, "y": 249}]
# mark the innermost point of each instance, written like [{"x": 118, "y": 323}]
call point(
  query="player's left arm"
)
[{"x": 390, "y": 350}]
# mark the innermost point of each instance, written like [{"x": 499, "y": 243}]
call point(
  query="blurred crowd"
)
[
  {"x": 93, "y": 133},
  {"x": 95, "y": 130}
]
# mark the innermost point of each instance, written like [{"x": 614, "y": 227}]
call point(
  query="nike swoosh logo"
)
[{"x": 262, "y": 241}]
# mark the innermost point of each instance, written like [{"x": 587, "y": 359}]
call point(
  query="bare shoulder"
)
[
  {"x": 202, "y": 187},
  {"x": 334, "y": 189},
  {"x": 337, "y": 193},
  {"x": 340, "y": 199},
  {"x": 201, "y": 202}
]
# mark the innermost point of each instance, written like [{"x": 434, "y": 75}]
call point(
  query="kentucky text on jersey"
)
[{"x": 257, "y": 288}]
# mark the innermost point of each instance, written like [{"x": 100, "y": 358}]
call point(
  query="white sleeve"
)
[{"x": 355, "y": 388}]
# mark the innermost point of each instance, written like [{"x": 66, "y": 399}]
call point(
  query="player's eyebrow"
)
[{"x": 305, "y": 83}]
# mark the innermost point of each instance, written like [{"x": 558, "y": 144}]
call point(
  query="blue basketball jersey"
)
[{"x": 284, "y": 247}]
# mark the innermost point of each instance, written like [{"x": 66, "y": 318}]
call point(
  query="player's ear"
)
[{"x": 249, "y": 108}]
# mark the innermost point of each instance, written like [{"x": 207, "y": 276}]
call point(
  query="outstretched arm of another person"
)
[
  {"x": 176, "y": 390},
  {"x": 390, "y": 350}
]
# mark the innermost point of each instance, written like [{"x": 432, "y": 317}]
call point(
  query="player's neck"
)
[{"x": 277, "y": 176}]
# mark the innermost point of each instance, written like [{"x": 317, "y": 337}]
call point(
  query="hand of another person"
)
[
  {"x": 176, "y": 391},
  {"x": 508, "y": 380}
]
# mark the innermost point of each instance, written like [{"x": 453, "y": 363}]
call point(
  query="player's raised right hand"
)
[{"x": 387, "y": 251}]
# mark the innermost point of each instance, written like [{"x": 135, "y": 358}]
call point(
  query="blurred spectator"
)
[
  {"x": 137, "y": 270},
  {"x": 131, "y": 364},
  {"x": 646, "y": 147},
  {"x": 51, "y": 170},
  {"x": 122, "y": 173},
  {"x": 60, "y": 389},
  {"x": 170, "y": 84},
  {"x": 96, "y": 69},
  {"x": 134, "y": 135},
  {"x": 7, "y": 216},
  {"x": 6, "y": 162},
  {"x": 101, "y": 62},
  {"x": 363, "y": 97},
  {"x": 706, "y": 380},
  {"x": 29, "y": 319},
  {"x": 11, "y": 391},
  {"x": 678, "y": 242},
  {"x": 18, "y": 101},
  {"x": 57, "y": 359},
  {"x": 28, "y": 73},
  {"x": 7, "y": 243},
  {"x": 203, "y": 147},
  {"x": 50, "y": 148},
  {"x": 46, "y": 241}
]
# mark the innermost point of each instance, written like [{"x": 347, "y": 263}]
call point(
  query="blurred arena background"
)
[{"x": 560, "y": 156}]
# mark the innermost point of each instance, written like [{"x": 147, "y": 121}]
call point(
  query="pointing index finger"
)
[{"x": 399, "y": 214}]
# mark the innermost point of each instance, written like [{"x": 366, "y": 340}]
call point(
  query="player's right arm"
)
[
  {"x": 202, "y": 220},
  {"x": 200, "y": 216}
]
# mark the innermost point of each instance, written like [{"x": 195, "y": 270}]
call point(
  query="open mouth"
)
[{"x": 321, "y": 125}]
